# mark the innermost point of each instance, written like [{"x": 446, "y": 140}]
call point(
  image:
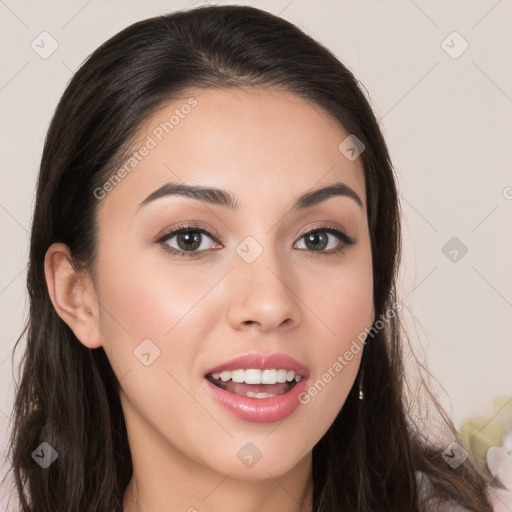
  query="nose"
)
[{"x": 262, "y": 294}]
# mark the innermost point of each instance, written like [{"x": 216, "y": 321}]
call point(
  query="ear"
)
[{"x": 73, "y": 295}]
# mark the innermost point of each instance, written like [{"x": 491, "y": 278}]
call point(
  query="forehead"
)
[{"x": 261, "y": 143}]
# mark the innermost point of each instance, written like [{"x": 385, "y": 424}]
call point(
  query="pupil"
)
[
  {"x": 315, "y": 238},
  {"x": 187, "y": 238}
]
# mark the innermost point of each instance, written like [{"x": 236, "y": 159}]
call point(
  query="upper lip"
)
[{"x": 262, "y": 362}]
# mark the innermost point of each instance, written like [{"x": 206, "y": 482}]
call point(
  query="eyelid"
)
[
  {"x": 187, "y": 226},
  {"x": 334, "y": 228}
]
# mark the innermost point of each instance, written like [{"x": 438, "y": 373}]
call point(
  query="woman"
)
[{"x": 213, "y": 320}]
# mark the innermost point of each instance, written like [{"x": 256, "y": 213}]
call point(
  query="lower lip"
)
[{"x": 258, "y": 410}]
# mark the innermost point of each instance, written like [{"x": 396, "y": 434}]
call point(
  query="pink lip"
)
[{"x": 259, "y": 410}]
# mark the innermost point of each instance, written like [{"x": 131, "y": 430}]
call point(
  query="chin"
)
[{"x": 254, "y": 459}]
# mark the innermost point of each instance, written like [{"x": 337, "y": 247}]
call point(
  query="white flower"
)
[{"x": 499, "y": 461}]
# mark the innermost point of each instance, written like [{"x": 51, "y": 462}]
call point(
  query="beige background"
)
[{"x": 447, "y": 121}]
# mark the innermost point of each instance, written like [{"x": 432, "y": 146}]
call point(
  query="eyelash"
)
[{"x": 341, "y": 235}]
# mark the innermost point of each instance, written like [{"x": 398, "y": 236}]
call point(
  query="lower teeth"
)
[{"x": 250, "y": 394}]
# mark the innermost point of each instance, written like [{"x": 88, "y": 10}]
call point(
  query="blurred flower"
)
[
  {"x": 499, "y": 461},
  {"x": 490, "y": 440}
]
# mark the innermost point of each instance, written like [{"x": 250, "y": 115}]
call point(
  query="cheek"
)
[
  {"x": 146, "y": 307},
  {"x": 343, "y": 303},
  {"x": 147, "y": 296},
  {"x": 344, "y": 307},
  {"x": 153, "y": 323}
]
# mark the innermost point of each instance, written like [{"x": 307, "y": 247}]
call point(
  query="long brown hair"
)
[{"x": 67, "y": 395}]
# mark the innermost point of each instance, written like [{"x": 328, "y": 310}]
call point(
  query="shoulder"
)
[{"x": 501, "y": 499}]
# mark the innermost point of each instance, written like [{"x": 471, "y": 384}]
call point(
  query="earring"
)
[{"x": 361, "y": 392}]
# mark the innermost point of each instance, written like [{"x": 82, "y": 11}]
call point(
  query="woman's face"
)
[{"x": 175, "y": 308}]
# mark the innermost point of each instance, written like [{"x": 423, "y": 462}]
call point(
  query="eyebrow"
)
[{"x": 219, "y": 197}]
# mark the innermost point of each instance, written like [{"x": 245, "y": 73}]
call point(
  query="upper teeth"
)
[{"x": 253, "y": 376}]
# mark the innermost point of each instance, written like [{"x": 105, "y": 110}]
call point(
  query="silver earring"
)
[{"x": 361, "y": 392}]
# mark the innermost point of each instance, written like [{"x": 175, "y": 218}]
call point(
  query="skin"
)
[{"x": 266, "y": 147}]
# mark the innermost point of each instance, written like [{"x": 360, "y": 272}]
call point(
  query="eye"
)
[
  {"x": 323, "y": 240},
  {"x": 188, "y": 241}
]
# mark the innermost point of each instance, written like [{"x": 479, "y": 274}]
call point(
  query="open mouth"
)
[{"x": 255, "y": 383}]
